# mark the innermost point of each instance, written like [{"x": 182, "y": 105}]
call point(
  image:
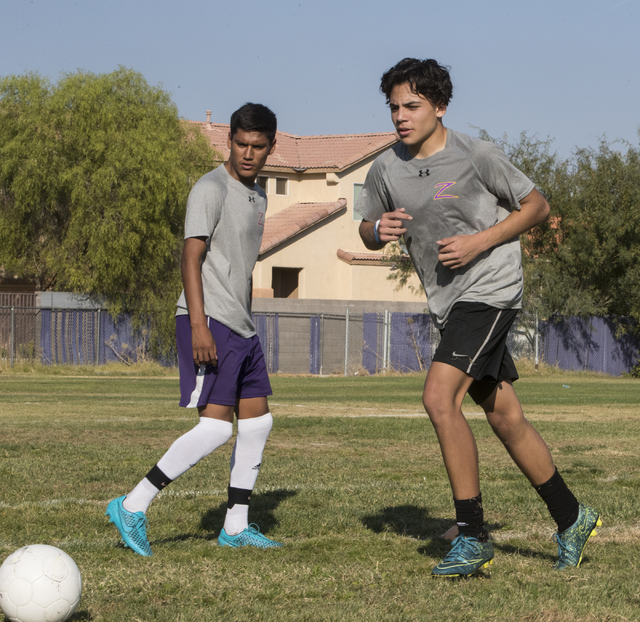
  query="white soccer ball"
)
[{"x": 39, "y": 583}]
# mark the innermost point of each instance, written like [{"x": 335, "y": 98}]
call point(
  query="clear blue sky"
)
[{"x": 567, "y": 69}]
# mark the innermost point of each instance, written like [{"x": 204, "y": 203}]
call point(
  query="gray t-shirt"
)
[
  {"x": 467, "y": 187},
  {"x": 231, "y": 218}
]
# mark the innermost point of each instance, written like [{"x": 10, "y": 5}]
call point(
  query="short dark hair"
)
[
  {"x": 426, "y": 78},
  {"x": 254, "y": 118}
]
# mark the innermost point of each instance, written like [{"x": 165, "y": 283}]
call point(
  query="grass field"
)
[{"x": 352, "y": 482}]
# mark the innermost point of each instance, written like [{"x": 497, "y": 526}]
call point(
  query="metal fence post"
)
[
  {"x": 346, "y": 341},
  {"x": 321, "y": 341},
  {"x": 536, "y": 343},
  {"x": 13, "y": 326},
  {"x": 98, "y": 341},
  {"x": 386, "y": 340}
]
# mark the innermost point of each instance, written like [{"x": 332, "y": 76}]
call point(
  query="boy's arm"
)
[
  {"x": 459, "y": 250},
  {"x": 204, "y": 347}
]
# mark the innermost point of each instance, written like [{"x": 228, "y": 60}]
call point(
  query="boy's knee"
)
[{"x": 438, "y": 409}]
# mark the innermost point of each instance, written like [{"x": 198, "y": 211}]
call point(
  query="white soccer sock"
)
[
  {"x": 237, "y": 519},
  {"x": 185, "y": 452},
  {"x": 245, "y": 466}
]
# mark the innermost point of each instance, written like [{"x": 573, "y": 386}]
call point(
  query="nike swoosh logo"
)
[{"x": 456, "y": 355}]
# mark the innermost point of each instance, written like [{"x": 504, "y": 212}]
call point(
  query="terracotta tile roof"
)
[
  {"x": 299, "y": 153},
  {"x": 366, "y": 258},
  {"x": 357, "y": 258},
  {"x": 294, "y": 219}
]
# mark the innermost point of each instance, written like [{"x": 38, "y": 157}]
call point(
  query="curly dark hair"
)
[
  {"x": 426, "y": 77},
  {"x": 254, "y": 118}
]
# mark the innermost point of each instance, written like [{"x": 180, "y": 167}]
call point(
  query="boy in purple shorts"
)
[
  {"x": 460, "y": 206},
  {"x": 222, "y": 368}
]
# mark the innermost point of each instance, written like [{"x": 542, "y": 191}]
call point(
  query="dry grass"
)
[{"x": 352, "y": 483}]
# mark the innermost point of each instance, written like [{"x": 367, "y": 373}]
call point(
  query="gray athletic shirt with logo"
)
[
  {"x": 467, "y": 187},
  {"x": 231, "y": 218}
]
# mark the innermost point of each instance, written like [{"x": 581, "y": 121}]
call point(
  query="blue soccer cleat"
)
[
  {"x": 250, "y": 536},
  {"x": 467, "y": 555},
  {"x": 572, "y": 541},
  {"x": 131, "y": 525}
]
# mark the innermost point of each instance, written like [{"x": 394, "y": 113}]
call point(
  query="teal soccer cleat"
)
[
  {"x": 131, "y": 525},
  {"x": 251, "y": 536},
  {"x": 572, "y": 541},
  {"x": 467, "y": 555}
]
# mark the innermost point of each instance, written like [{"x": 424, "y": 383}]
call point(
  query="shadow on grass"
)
[
  {"x": 79, "y": 615},
  {"x": 415, "y": 522},
  {"x": 407, "y": 520},
  {"x": 439, "y": 547},
  {"x": 261, "y": 512}
]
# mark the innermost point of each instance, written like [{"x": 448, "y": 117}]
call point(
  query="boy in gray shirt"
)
[
  {"x": 461, "y": 205},
  {"x": 222, "y": 367}
]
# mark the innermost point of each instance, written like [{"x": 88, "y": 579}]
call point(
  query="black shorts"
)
[{"x": 474, "y": 340}]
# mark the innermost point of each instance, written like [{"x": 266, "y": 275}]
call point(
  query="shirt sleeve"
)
[
  {"x": 374, "y": 199},
  {"x": 501, "y": 177},
  {"x": 204, "y": 208}
]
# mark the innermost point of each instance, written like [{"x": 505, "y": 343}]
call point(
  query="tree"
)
[
  {"x": 600, "y": 230},
  {"x": 94, "y": 177}
]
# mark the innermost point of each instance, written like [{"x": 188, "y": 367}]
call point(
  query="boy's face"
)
[
  {"x": 415, "y": 118},
  {"x": 248, "y": 152}
]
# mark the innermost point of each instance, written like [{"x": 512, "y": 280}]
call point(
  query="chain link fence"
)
[
  {"x": 67, "y": 337},
  {"x": 324, "y": 343},
  {"x": 359, "y": 343}
]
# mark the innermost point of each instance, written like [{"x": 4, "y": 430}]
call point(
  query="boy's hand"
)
[
  {"x": 392, "y": 225},
  {"x": 204, "y": 346},
  {"x": 459, "y": 250}
]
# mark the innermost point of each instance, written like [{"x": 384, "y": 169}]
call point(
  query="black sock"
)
[
  {"x": 158, "y": 478},
  {"x": 238, "y": 495},
  {"x": 563, "y": 506},
  {"x": 470, "y": 518}
]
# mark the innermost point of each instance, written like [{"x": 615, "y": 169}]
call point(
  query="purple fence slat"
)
[{"x": 45, "y": 336}]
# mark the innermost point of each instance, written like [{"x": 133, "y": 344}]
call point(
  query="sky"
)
[{"x": 561, "y": 69}]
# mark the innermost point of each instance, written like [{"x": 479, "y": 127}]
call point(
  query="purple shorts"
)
[{"x": 241, "y": 371}]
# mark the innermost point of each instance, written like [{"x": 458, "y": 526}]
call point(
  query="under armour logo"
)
[
  {"x": 252, "y": 199},
  {"x": 423, "y": 173}
]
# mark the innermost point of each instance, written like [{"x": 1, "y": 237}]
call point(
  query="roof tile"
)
[
  {"x": 336, "y": 152},
  {"x": 294, "y": 219}
]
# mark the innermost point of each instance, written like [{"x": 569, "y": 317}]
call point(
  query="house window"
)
[
  {"x": 284, "y": 282},
  {"x": 263, "y": 182},
  {"x": 356, "y": 193},
  {"x": 282, "y": 185}
]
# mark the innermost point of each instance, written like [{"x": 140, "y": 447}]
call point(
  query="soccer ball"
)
[{"x": 39, "y": 583}]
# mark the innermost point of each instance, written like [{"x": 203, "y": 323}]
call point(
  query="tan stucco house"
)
[{"x": 311, "y": 248}]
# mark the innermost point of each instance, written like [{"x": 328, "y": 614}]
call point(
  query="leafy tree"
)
[
  {"x": 599, "y": 230},
  {"x": 94, "y": 176}
]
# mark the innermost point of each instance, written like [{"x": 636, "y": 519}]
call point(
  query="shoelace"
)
[
  {"x": 461, "y": 549},
  {"x": 563, "y": 549}
]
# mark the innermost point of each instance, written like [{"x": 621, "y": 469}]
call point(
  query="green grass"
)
[{"x": 358, "y": 497}]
